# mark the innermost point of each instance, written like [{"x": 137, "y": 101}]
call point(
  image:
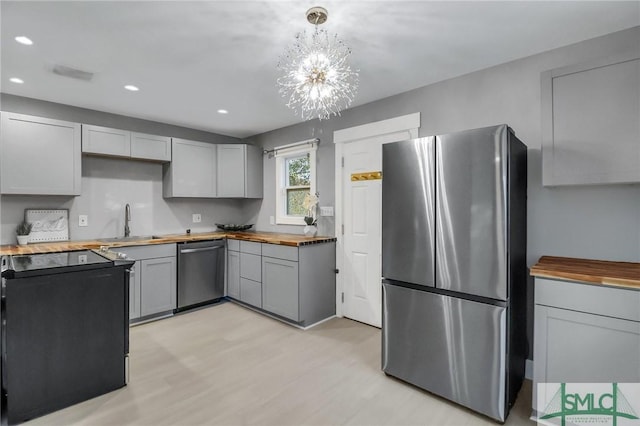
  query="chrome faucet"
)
[{"x": 127, "y": 219}]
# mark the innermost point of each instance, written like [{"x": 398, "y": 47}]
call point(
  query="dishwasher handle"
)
[{"x": 196, "y": 250}]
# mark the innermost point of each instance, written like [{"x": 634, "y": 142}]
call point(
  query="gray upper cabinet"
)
[
  {"x": 106, "y": 141},
  {"x": 109, "y": 142},
  {"x": 590, "y": 116},
  {"x": 150, "y": 147},
  {"x": 39, "y": 156},
  {"x": 239, "y": 171},
  {"x": 192, "y": 171}
]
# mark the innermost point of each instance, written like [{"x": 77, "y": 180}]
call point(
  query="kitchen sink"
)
[{"x": 131, "y": 238}]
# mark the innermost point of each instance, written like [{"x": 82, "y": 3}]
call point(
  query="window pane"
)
[
  {"x": 298, "y": 171},
  {"x": 295, "y": 197}
]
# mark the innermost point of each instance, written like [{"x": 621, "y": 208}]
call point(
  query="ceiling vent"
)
[{"x": 72, "y": 73}]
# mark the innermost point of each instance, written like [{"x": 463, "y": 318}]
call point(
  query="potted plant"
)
[
  {"x": 22, "y": 232},
  {"x": 309, "y": 205}
]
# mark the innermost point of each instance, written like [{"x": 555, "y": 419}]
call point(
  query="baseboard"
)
[{"x": 528, "y": 370}]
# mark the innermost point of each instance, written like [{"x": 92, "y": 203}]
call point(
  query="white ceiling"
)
[{"x": 192, "y": 58}]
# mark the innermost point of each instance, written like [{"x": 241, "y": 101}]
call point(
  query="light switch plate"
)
[
  {"x": 326, "y": 211},
  {"x": 196, "y": 217},
  {"x": 83, "y": 220}
]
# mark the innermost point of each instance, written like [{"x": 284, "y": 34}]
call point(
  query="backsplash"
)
[{"x": 107, "y": 186}]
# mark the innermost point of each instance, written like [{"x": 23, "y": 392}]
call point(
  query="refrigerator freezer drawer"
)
[{"x": 452, "y": 347}]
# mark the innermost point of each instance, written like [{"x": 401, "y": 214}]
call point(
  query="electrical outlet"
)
[
  {"x": 326, "y": 211},
  {"x": 83, "y": 220},
  {"x": 196, "y": 217},
  {"x": 272, "y": 220}
]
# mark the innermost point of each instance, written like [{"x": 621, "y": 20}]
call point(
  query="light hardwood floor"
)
[{"x": 227, "y": 365}]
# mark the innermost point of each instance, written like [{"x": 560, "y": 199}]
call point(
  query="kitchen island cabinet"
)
[{"x": 39, "y": 156}]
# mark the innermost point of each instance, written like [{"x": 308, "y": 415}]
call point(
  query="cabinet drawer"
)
[
  {"x": 251, "y": 292},
  {"x": 595, "y": 299},
  {"x": 148, "y": 252},
  {"x": 233, "y": 245},
  {"x": 251, "y": 266},
  {"x": 250, "y": 247},
  {"x": 280, "y": 252}
]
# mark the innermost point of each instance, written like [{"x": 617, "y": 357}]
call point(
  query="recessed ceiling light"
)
[
  {"x": 223, "y": 111},
  {"x": 16, "y": 80},
  {"x": 131, "y": 88},
  {"x": 24, "y": 40}
]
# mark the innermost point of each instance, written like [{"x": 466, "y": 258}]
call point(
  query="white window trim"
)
[{"x": 281, "y": 155}]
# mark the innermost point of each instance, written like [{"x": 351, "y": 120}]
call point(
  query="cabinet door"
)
[
  {"x": 231, "y": 170},
  {"x": 134, "y": 291},
  {"x": 590, "y": 132},
  {"x": 280, "y": 287},
  {"x": 192, "y": 171},
  {"x": 106, "y": 141},
  {"x": 158, "y": 285},
  {"x": 39, "y": 156},
  {"x": 233, "y": 274},
  {"x": 150, "y": 147},
  {"x": 251, "y": 292},
  {"x": 251, "y": 267},
  {"x": 253, "y": 172},
  {"x": 580, "y": 347}
]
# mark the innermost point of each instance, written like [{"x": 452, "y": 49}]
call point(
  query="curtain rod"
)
[{"x": 275, "y": 150}]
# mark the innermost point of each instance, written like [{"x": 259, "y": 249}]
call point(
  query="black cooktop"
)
[{"x": 50, "y": 263}]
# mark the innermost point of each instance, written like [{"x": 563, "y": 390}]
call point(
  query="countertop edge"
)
[
  {"x": 590, "y": 271},
  {"x": 291, "y": 240}
]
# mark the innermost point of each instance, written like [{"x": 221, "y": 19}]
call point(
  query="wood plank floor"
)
[{"x": 227, "y": 365}]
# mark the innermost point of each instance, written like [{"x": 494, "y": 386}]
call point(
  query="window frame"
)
[{"x": 281, "y": 174}]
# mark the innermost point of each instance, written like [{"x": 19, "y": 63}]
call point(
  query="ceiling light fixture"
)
[
  {"x": 223, "y": 111},
  {"x": 16, "y": 80},
  {"x": 316, "y": 79},
  {"x": 131, "y": 88},
  {"x": 24, "y": 40}
]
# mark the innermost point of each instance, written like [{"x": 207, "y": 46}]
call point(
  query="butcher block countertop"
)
[
  {"x": 621, "y": 274},
  {"x": 292, "y": 240}
]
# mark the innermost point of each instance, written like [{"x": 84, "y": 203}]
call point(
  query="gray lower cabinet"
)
[
  {"x": 153, "y": 281},
  {"x": 158, "y": 285},
  {"x": 295, "y": 284},
  {"x": 251, "y": 273},
  {"x": 280, "y": 287},
  {"x": 585, "y": 333},
  {"x": 233, "y": 274}
]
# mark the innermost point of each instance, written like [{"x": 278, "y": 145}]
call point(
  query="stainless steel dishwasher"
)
[{"x": 200, "y": 273}]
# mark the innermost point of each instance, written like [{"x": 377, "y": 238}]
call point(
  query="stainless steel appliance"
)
[
  {"x": 65, "y": 330},
  {"x": 200, "y": 273},
  {"x": 454, "y": 266}
]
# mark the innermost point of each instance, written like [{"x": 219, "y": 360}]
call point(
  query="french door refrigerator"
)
[{"x": 454, "y": 266}]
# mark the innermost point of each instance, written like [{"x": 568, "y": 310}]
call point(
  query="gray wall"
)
[
  {"x": 601, "y": 222},
  {"x": 108, "y": 184}
]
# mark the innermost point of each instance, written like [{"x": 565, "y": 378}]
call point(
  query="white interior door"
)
[
  {"x": 359, "y": 214},
  {"x": 362, "y": 214}
]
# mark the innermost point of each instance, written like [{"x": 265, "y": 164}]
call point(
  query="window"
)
[{"x": 295, "y": 176}]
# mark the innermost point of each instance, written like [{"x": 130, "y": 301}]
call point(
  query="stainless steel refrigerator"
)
[{"x": 454, "y": 266}]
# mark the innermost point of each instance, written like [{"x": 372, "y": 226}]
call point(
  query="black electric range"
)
[{"x": 29, "y": 265}]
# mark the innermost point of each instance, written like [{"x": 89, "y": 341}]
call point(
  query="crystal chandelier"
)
[{"x": 316, "y": 79}]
